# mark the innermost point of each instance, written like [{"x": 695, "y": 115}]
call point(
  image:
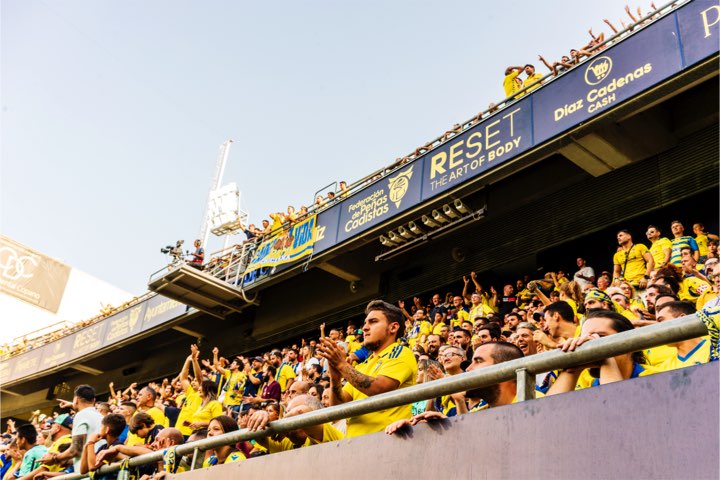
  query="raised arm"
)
[
  {"x": 550, "y": 67},
  {"x": 216, "y": 361},
  {"x": 401, "y": 305},
  {"x": 612, "y": 27}
]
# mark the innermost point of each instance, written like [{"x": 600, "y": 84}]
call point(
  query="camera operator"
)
[{"x": 198, "y": 256}]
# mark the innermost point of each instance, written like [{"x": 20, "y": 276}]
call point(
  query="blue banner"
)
[
  {"x": 608, "y": 79},
  {"x": 106, "y": 332},
  {"x": 381, "y": 201},
  {"x": 327, "y": 226},
  {"x": 699, "y": 23},
  {"x": 160, "y": 310},
  {"x": 484, "y": 146}
]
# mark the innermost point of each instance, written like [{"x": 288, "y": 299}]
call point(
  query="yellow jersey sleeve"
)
[{"x": 509, "y": 83}]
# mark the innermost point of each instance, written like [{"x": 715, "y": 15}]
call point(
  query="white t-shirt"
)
[
  {"x": 86, "y": 422},
  {"x": 585, "y": 272}
]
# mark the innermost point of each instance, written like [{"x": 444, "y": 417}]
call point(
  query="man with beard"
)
[
  {"x": 390, "y": 366},
  {"x": 512, "y": 320},
  {"x": 285, "y": 373},
  {"x": 503, "y": 393},
  {"x": 598, "y": 300},
  {"x": 433, "y": 345}
]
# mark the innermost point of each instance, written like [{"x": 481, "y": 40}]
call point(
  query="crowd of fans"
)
[
  {"x": 397, "y": 346},
  {"x": 61, "y": 329}
]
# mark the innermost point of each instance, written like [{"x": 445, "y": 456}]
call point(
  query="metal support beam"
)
[
  {"x": 8, "y": 392},
  {"x": 85, "y": 369},
  {"x": 338, "y": 272},
  {"x": 189, "y": 332}
]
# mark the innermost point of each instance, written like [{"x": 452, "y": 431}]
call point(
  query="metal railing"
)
[{"x": 520, "y": 369}]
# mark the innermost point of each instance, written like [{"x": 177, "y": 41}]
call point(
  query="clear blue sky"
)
[{"x": 113, "y": 112}]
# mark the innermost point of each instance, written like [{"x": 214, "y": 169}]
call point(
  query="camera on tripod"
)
[{"x": 175, "y": 252}]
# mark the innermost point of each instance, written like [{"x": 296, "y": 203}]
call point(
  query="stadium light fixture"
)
[
  {"x": 429, "y": 222},
  {"x": 394, "y": 237},
  {"x": 439, "y": 217},
  {"x": 415, "y": 229},
  {"x": 387, "y": 242},
  {"x": 449, "y": 212},
  {"x": 461, "y": 207},
  {"x": 405, "y": 233}
]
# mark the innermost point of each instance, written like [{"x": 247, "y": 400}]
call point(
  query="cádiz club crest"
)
[{"x": 399, "y": 185}]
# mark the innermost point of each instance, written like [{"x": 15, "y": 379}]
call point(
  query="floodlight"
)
[
  {"x": 428, "y": 222},
  {"x": 405, "y": 233},
  {"x": 439, "y": 217},
  {"x": 448, "y": 210},
  {"x": 387, "y": 242},
  {"x": 461, "y": 207},
  {"x": 414, "y": 228}
]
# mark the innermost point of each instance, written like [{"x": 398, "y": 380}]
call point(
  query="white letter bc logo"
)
[{"x": 14, "y": 266}]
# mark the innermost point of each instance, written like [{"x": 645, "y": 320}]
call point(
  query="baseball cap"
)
[
  {"x": 259, "y": 359},
  {"x": 65, "y": 420}
]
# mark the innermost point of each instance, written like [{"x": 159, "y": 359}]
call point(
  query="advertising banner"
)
[
  {"x": 286, "y": 247},
  {"x": 26, "y": 364},
  {"x": 56, "y": 353},
  {"x": 160, "y": 310},
  {"x": 124, "y": 324},
  {"x": 608, "y": 79},
  {"x": 484, "y": 146},
  {"x": 327, "y": 225},
  {"x": 88, "y": 339},
  {"x": 31, "y": 276},
  {"x": 381, "y": 201},
  {"x": 699, "y": 23}
]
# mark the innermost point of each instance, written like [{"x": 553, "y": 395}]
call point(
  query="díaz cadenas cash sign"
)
[
  {"x": 602, "y": 93},
  {"x": 389, "y": 196}
]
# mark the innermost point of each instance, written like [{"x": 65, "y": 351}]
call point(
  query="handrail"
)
[{"x": 670, "y": 331}]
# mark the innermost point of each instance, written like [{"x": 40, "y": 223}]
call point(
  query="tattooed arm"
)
[{"x": 340, "y": 368}]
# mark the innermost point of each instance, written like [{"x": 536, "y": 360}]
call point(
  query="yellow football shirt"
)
[
  {"x": 192, "y": 402},
  {"x": 656, "y": 250},
  {"x": 235, "y": 382},
  {"x": 657, "y": 355},
  {"x": 330, "y": 434},
  {"x": 396, "y": 362},
  {"x": 285, "y": 373},
  {"x": 691, "y": 288},
  {"x": 55, "y": 448},
  {"x": 530, "y": 80},
  {"x": 509, "y": 84},
  {"x": 697, "y": 356},
  {"x": 633, "y": 262},
  {"x": 702, "y": 243},
  {"x": 232, "y": 458}
]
